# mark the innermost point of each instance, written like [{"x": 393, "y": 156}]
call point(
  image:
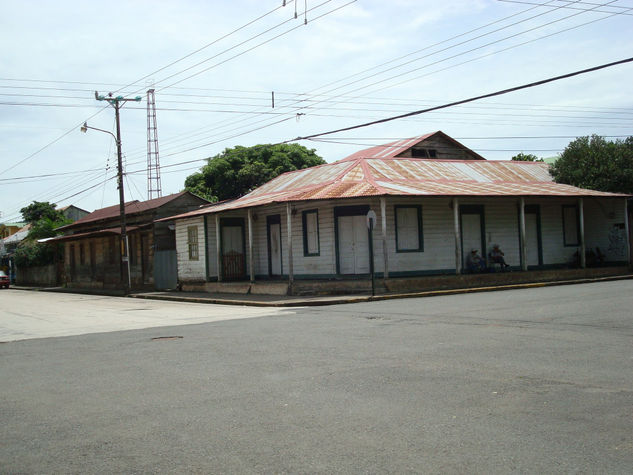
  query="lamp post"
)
[{"x": 117, "y": 103}]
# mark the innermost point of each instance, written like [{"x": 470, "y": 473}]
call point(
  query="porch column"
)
[
  {"x": 218, "y": 247},
  {"x": 627, "y": 231},
  {"x": 522, "y": 240},
  {"x": 290, "y": 267},
  {"x": 458, "y": 241},
  {"x": 251, "y": 266},
  {"x": 206, "y": 248},
  {"x": 581, "y": 223},
  {"x": 383, "y": 223}
]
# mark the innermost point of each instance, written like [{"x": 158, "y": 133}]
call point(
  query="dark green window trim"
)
[
  {"x": 304, "y": 222},
  {"x": 577, "y": 243},
  {"x": 418, "y": 209}
]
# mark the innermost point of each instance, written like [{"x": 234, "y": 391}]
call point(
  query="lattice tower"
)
[{"x": 153, "y": 166}]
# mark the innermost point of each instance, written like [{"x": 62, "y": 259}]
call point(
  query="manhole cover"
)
[{"x": 167, "y": 338}]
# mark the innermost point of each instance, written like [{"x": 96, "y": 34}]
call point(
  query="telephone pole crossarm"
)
[{"x": 117, "y": 102}]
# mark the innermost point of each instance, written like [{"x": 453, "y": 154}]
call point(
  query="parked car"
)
[{"x": 4, "y": 280}]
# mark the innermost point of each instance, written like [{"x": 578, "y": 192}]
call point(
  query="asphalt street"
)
[{"x": 523, "y": 381}]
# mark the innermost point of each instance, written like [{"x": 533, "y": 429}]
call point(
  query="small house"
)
[
  {"x": 92, "y": 244},
  {"x": 434, "y": 201}
]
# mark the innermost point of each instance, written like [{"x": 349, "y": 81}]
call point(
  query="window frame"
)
[
  {"x": 304, "y": 222},
  {"x": 565, "y": 225},
  {"x": 193, "y": 248},
  {"x": 418, "y": 209}
]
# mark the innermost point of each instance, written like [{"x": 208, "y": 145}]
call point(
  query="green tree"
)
[
  {"x": 40, "y": 209},
  {"x": 526, "y": 157},
  {"x": 238, "y": 170},
  {"x": 44, "y": 219},
  {"x": 597, "y": 164}
]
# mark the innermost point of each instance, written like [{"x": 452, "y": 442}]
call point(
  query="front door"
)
[
  {"x": 353, "y": 245},
  {"x": 472, "y": 231},
  {"x": 274, "y": 245},
  {"x": 532, "y": 236},
  {"x": 233, "y": 262}
]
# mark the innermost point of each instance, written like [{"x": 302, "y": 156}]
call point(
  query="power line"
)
[
  {"x": 298, "y": 107},
  {"x": 249, "y": 23},
  {"x": 259, "y": 44},
  {"x": 472, "y": 99},
  {"x": 570, "y": 7}
]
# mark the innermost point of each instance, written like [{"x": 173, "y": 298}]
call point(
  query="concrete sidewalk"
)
[{"x": 257, "y": 300}]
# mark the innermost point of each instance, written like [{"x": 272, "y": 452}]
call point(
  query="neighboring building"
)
[
  {"x": 311, "y": 223},
  {"x": 7, "y": 229},
  {"x": 92, "y": 244},
  {"x": 73, "y": 213},
  {"x": 41, "y": 275}
]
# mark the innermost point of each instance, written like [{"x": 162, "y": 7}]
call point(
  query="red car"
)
[{"x": 4, "y": 280}]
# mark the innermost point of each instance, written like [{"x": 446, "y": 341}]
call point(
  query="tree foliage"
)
[
  {"x": 44, "y": 219},
  {"x": 526, "y": 157},
  {"x": 31, "y": 253},
  {"x": 597, "y": 164},
  {"x": 39, "y": 210},
  {"x": 238, "y": 170}
]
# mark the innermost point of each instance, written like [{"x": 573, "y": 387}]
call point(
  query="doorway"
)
[
  {"x": 352, "y": 240},
  {"x": 473, "y": 230},
  {"x": 273, "y": 224},
  {"x": 233, "y": 251},
  {"x": 533, "y": 235}
]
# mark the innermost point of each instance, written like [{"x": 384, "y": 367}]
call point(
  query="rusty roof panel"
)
[
  {"x": 359, "y": 176},
  {"x": 355, "y": 174}
]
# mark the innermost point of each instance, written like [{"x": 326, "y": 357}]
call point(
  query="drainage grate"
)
[{"x": 167, "y": 338}]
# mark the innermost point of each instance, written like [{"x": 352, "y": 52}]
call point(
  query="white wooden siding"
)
[
  {"x": 501, "y": 227},
  {"x": 604, "y": 222},
  {"x": 190, "y": 270}
]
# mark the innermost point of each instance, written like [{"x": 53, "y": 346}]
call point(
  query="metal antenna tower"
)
[{"x": 153, "y": 166}]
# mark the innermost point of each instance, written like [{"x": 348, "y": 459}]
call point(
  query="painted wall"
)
[
  {"x": 188, "y": 269},
  {"x": 604, "y": 220}
]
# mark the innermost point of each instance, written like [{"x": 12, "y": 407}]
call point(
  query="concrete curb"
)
[
  {"x": 375, "y": 298},
  {"x": 322, "y": 301}
]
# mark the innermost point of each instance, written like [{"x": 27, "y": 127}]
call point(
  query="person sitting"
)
[
  {"x": 474, "y": 262},
  {"x": 496, "y": 256}
]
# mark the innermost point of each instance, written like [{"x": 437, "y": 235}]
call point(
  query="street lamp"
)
[{"x": 126, "y": 278}]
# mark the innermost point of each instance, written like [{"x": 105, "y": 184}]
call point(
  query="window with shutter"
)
[
  {"x": 310, "y": 220},
  {"x": 192, "y": 242},
  {"x": 408, "y": 228}
]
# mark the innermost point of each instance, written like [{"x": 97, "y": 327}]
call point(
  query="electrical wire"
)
[{"x": 472, "y": 99}]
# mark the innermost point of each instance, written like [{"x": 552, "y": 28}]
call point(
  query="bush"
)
[{"x": 32, "y": 254}]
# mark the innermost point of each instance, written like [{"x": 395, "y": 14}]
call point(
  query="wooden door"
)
[
  {"x": 274, "y": 248},
  {"x": 353, "y": 245},
  {"x": 532, "y": 236},
  {"x": 233, "y": 262}
]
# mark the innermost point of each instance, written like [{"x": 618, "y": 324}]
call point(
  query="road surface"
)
[{"x": 533, "y": 380}]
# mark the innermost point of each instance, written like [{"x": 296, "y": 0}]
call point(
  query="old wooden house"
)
[
  {"x": 92, "y": 244},
  {"x": 435, "y": 200}
]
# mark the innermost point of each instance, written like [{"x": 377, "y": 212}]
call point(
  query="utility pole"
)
[{"x": 117, "y": 103}]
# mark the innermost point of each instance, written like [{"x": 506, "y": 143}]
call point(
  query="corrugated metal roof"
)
[
  {"x": 101, "y": 232},
  {"x": 360, "y": 176},
  {"x": 131, "y": 207}
]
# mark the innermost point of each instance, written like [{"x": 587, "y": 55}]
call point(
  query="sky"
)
[{"x": 214, "y": 66}]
